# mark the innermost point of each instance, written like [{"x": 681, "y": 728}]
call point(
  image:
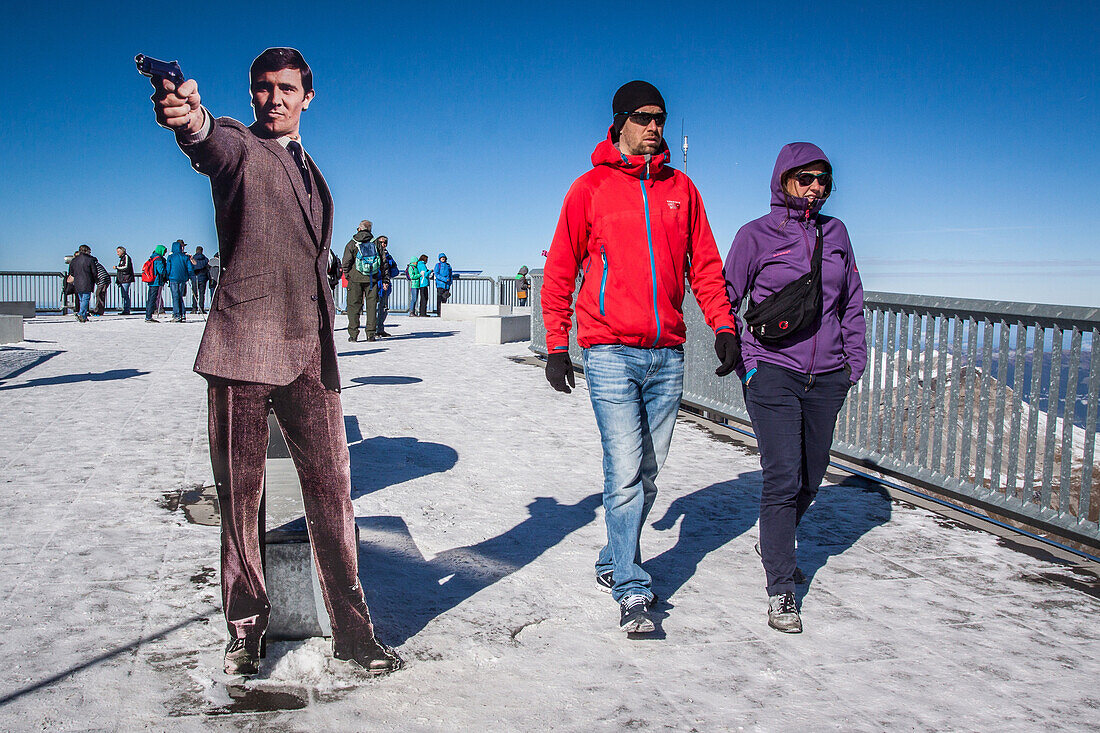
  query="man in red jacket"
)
[{"x": 635, "y": 227}]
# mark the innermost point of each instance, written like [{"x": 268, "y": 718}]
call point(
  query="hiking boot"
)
[
  {"x": 383, "y": 334},
  {"x": 799, "y": 577},
  {"x": 242, "y": 656},
  {"x": 783, "y": 614},
  {"x": 151, "y": 320},
  {"x": 353, "y": 337},
  {"x": 605, "y": 581},
  {"x": 371, "y": 337},
  {"x": 372, "y": 655},
  {"x": 634, "y": 615}
]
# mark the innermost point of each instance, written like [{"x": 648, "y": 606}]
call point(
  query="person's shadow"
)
[
  {"x": 711, "y": 517},
  {"x": 405, "y": 591},
  {"x": 840, "y": 515},
  {"x": 107, "y": 376},
  {"x": 380, "y": 461}
]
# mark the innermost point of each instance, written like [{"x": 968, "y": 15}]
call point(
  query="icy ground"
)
[{"x": 477, "y": 489}]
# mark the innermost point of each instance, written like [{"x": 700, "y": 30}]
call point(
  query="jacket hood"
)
[
  {"x": 362, "y": 236},
  {"x": 794, "y": 155},
  {"x": 633, "y": 165},
  {"x": 177, "y": 248},
  {"x": 159, "y": 250}
]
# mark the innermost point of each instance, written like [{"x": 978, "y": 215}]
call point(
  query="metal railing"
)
[
  {"x": 45, "y": 290},
  {"x": 992, "y": 403}
]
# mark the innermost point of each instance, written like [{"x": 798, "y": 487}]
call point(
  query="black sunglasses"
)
[
  {"x": 644, "y": 118},
  {"x": 807, "y": 179}
]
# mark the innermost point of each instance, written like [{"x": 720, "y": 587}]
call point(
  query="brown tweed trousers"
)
[{"x": 268, "y": 343}]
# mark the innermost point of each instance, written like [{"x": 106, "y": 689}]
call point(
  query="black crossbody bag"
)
[{"x": 786, "y": 312}]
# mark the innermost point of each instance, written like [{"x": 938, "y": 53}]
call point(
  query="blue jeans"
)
[
  {"x": 635, "y": 394},
  {"x": 152, "y": 299},
  {"x": 793, "y": 416},
  {"x": 83, "y": 300},
  {"x": 125, "y": 289},
  {"x": 178, "y": 290}
]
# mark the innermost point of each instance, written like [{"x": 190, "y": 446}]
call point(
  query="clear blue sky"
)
[{"x": 964, "y": 135}]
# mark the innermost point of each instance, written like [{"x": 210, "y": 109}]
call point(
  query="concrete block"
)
[
  {"x": 502, "y": 329},
  {"x": 23, "y": 308},
  {"x": 11, "y": 329},
  {"x": 466, "y": 312}
]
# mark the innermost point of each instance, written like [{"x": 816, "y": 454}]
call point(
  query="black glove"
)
[
  {"x": 728, "y": 348},
  {"x": 559, "y": 370}
]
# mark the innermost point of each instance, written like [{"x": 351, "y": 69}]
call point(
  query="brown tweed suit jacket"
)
[{"x": 272, "y": 298}]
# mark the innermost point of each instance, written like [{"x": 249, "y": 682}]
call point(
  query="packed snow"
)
[{"x": 477, "y": 490}]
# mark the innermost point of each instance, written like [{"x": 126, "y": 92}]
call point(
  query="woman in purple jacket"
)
[{"x": 794, "y": 388}]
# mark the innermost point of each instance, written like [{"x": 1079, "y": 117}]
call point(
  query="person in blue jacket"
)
[
  {"x": 160, "y": 275},
  {"x": 442, "y": 282},
  {"x": 180, "y": 271}
]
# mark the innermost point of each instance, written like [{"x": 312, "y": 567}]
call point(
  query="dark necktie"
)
[{"x": 296, "y": 152}]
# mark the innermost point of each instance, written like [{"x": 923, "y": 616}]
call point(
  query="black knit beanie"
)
[{"x": 631, "y": 96}]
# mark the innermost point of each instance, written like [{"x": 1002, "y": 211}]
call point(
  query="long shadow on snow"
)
[
  {"x": 841, "y": 514},
  {"x": 72, "y": 378},
  {"x": 838, "y": 518},
  {"x": 379, "y": 462},
  {"x": 405, "y": 591}
]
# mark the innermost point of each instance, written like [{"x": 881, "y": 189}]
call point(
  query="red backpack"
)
[{"x": 149, "y": 270}]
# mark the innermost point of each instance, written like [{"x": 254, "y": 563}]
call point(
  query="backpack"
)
[
  {"x": 149, "y": 270},
  {"x": 367, "y": 264}
]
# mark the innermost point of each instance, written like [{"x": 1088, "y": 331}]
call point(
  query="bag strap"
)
[{"x": 815, "y": 262}]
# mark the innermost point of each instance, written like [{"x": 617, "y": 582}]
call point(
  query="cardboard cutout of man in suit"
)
[{"x": 268, "y": 343}]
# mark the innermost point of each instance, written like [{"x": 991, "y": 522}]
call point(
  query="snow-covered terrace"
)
[{"x": 477, "y": 489}]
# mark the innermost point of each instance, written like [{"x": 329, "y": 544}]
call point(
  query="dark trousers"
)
[
  {"x": 198, "y": 294},
  {"x": 312, "y": 421},
  {"x": 793, "y": 416},
  {"x": 152, "y": 300},
  {"x": 124, "y": 288},
  {"x": 423, "y": 301},
  {"x": 362, "y": 297},
  {"x": 383, "y": 308},
  {"x": 101, "y": 298}
]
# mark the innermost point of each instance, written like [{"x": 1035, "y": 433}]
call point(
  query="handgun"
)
[{"x": 155, "y": 69}]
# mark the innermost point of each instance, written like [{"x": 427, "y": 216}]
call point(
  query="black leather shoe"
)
[
  {"x": 242, "y": 656},
  {"x": 370, "y": 337},
  {"x": 372, "y": 655},
  {"x": 383, "y": 334},
  {"x": 354, "y": 337}
]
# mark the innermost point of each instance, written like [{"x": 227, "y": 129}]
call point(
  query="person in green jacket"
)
[{"x": 412, "y": 271}]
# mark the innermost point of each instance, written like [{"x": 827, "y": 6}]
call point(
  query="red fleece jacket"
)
[{"x": 636, "y": 229}]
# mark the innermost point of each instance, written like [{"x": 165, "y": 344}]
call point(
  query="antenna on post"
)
[{"x": 684, "y": 147}]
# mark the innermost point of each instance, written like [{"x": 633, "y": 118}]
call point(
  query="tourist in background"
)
[
  {"x": 389, "y": 266},
  {"x": 179, "y": 274},
  {"x": 362, "y": 268},
  {"x": 442, "y": 282},
  {"x": 154, "y": 273},
  {"x": 523, "y": 286},
  {"x": 412, "y": 271},
  {"x": 795, "y": 386},
  {"x": 82, "y": 276},
  {"x": 214, "y": 270},
  {"x": 425, "y": 277},
  {"x": 200, "y": 275},
  {"x": 124, "y": 276},
  {"x": 102, "y": 284}
]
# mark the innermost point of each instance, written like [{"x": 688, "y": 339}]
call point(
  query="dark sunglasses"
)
[
  {"x": 644, "y": 118},
  {"x": 807, "y": 179}
]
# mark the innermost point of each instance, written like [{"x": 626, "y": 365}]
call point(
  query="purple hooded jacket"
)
[{"x": 775, "y": 249}]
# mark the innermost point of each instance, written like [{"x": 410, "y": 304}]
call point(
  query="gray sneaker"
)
[
  {"x": 783, "y": 614},
  {"x": 799, "y": 577},
  {"x": 634, "y": 615},
  {"x": 242, "y": 656}
]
